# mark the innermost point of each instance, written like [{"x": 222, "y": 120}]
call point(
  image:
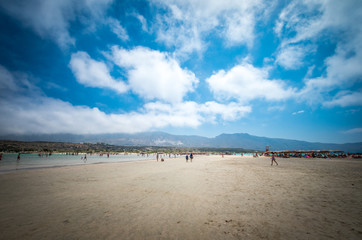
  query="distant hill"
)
[
  {"x": 237, "y": 140},
  {"x": 259, "y": 143}
]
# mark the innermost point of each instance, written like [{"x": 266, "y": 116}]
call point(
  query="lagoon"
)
[{"x": 9, "y": 161}]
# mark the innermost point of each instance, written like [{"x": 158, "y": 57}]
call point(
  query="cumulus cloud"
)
[
  {"x": 228, "y": 112},
  {"x": 187, "y": 23},
  {"x": 151, "y": 74},
  {"x": 195, "y": 114},
  {"x": 51, "y": 19},
  {"x": 154, "y": 75},
  {"x": 25, "y": 109},
  {"x": 92, "y": 73},
  {"x": 245, "y": 82},
  {"x": 49, "y": 115}
]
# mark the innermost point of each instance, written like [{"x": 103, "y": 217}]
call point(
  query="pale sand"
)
[{"x": 211, "y": 198}]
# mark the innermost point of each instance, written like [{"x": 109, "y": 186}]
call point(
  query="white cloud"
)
[
  {"x": 93, "y": 73},
  {"x": 299, "y": 112},
  {"x": 25, "y": 109},
  {"x": 142, "y": 20},
  {"x": 154, "y": 75},
  {"x": 49, "y": 115},
  {"x": 245, "y": 82},
  {"x": 7, "y": 81},
  {"x": 150, "y": 74},
  {"x": 228, "y": 112},
  {"x": 117, "y": 29},
  {"x": 345, "y": 99},
  {"x": 16, "y": 83},
  {"x": 309, "y": 20},
  {"x": 343, "y": 71},
  {"x": 180, "y": 114},
  {"x": 187, "y": 23},
  {"x": 278, "y": 108},
  {"x": 192, "y": 114},
  {"x": 353, "y": 131},
  {"x": 291, "y": 56},
  {"x": 185, "y": 38},
  {"x": 240, "y": 28},
  {"x": 299, "y": 19},
  {"x": 51, "y": 19}
]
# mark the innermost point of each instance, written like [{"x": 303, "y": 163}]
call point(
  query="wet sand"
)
[{"x": 212, "y": 198}]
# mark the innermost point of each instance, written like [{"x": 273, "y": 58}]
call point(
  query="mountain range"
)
[{"x": 236, "y": 140}]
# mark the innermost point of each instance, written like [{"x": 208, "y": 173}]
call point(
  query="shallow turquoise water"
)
[{"x": 10, "y": 163}]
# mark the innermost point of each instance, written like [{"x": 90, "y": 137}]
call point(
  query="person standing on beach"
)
[
  {"x": 191, "y": 157},
  {"x": 273, "y": 160},
  {"x": 187, "y": 158},
  {"x": 18, "y": 157}
]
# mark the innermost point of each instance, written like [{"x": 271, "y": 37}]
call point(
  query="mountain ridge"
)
[{"x": 234, "y": 140}]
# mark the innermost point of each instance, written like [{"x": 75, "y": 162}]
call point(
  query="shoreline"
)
[
  {"x": 140, "y": 160},
  {"x": 48, "y": 164},
  {"x": 211, "y": 198},
  {"x": 70, "y": 165}
]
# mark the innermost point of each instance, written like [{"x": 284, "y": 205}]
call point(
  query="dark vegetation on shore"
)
[{"x": 63, "y": 147}]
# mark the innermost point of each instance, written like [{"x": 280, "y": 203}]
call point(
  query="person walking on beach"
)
[
  {"x": 273, "y": 160},
  {"x": 191, "y": 157},
  {"x": 187, "y": 158},
  {"x": 18, "y": 162}
]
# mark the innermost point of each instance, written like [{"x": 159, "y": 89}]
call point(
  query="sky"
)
[{"x": 274, "y": 68}]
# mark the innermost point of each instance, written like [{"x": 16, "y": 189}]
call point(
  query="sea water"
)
[{"x": 10, "y": 163}]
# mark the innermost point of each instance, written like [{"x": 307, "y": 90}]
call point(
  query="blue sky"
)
[{"x": 285, "y": 69}]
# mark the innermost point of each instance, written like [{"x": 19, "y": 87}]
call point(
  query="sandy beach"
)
[{"x": 212, "y": 198}]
